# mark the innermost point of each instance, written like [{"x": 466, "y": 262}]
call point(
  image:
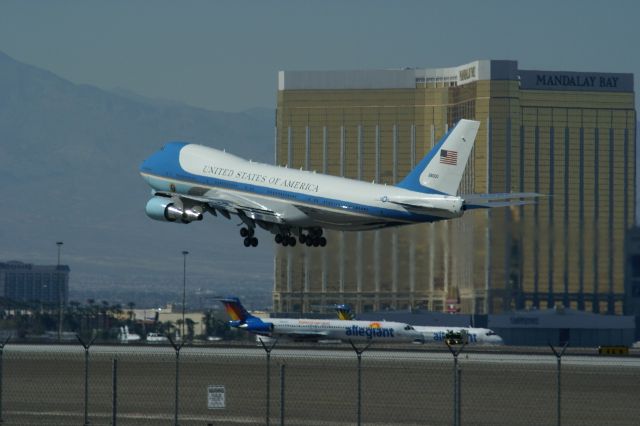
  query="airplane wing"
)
[
  {"x": 231, "y": 203},
  {"x": 321, "y": 215},
  {"x": 307, "y": 336},
  {"x": 505, "y": 199}
]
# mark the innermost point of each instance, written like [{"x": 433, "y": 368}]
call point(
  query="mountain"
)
[{"x": 69, "y": 157}]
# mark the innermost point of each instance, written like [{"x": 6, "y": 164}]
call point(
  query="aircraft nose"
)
[{"x": 148, "y": 163}]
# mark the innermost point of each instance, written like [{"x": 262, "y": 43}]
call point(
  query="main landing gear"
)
[
  {"x": 313, "y": 238},
  {"x": 248, "y": 235},
  {"x": 285, "y": 240}
]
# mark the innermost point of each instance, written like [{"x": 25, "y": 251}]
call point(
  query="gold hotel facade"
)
[{"x": 570, "y": 135}]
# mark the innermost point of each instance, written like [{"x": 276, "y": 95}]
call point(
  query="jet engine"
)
[
  {"x": 256, "y": 325},
  {"x": 172, "y": 209}
]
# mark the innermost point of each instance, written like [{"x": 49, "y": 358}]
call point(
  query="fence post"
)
[
  {"x": 559, "y": 390},
  {"x": 359, "y": 354},
  {"x": 282, "y": 394},
  {"x": 2, "y": 345},
  {"x": 177, "y": 348},
  {"x": 86, "y": 346},
  {"x": 114, "y": 408},
  {"x": 459, "y": 396},
  {"x": 456, "y": 382},
  {"x": 268, "y": 350}
]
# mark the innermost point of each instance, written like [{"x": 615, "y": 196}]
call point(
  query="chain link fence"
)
[{"x": 229, "y": 386}]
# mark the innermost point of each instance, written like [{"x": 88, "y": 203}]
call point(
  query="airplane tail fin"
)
[
  {"x": 242, "y": 319},
  {"x": 235, "y": 310},
  {"x": 344, "y": 312},
  {"x": 440, "y": 171}
]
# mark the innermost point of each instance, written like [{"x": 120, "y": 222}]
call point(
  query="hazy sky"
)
[{"x": 224, "y": 55}]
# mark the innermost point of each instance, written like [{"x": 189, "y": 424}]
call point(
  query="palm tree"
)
[
  {"x": 131, "y": 305},
  {"x": 103, "y": 311}
]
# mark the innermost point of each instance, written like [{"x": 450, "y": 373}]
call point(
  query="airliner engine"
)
[
  {"x": 256, "y": 325},
  {"x": 171, "y": 209}
]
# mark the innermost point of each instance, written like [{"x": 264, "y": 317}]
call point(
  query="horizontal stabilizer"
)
[
  {"x": 480, "y": 198},
  {"x": 472, "y": 206},
  {"x": 425, "y": 205},
  {"x": 505, "y": 199}
]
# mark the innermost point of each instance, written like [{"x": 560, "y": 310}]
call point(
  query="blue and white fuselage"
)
[
  {"x": 316, "y": 330},
  {"x": 479, "y": 336},
  {"x": 189, "y": 180}
]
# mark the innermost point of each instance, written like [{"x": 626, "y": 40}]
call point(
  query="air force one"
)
[
  {"x": 438, "y": 335},
  {"x": 189, "y": 180},
  {"x": 316, "y": 330}
]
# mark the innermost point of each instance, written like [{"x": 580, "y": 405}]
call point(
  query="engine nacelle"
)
[
  {"x": 256, "y": 325},
  {"x": 168, "y": 209}
]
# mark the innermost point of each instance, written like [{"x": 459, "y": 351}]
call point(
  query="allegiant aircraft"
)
[
  {"x": 319, "y": 329},
  {"x": 434, "y": 334},
  {"x": 189, "y": 180}
]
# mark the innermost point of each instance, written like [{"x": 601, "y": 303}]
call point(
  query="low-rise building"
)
[{"x": 26, "y": 282}]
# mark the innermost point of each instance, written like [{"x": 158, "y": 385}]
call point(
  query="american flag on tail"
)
[{"x": 448, "y": 156}]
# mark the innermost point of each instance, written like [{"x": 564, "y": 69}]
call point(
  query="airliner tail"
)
[{"x": 440, "y": 171}]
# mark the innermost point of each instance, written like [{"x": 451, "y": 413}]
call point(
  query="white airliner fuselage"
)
[
  {"x": 320, "y": 329},
  {"x": 189, "y": 180},
  {"x": 438, "y": 335}
]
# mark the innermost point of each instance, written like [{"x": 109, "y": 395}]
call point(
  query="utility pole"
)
[
  {"x": 59, "y": 281},
  {"x": 184, "y": 289}
]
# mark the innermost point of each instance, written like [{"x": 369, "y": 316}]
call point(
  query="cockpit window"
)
[
  {"x": 491, "y": 333},
  {"x": 408, "y": 327}
]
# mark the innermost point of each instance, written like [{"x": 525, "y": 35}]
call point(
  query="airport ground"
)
[{"x": 44, "y": 384}]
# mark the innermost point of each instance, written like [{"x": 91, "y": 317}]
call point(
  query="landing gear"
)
[
  {"x": 251, "y": 242},
  {"x": 313, "y": 238},
  {"x": 247, "y": 232},
  {"x": 248, "y": 235},
  {"x": 285, "y": 240}
]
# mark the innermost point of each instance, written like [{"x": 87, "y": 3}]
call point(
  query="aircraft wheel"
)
[
  {"x": 323, "y": 241},
  {"x": 292, "y": 241},
  {"x": 244, "y": 232},
  {"x": 316, "y": 242},
  {"x": 247, "y": 242},
  {"x": 309, "y": 242},
  {"x": 285, "y": 241},
  {"x": 278, "y": 239},
  {"x": 254, "y": 242},
  {"x": 302, "y": 238}
]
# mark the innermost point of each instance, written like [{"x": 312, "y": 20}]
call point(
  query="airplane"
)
[
  {"x": 315, "y": 330},
  {"x": 189, "y": 180},
  {"x": 433, "y": 334},
  {"x": 125, "y": 337}
]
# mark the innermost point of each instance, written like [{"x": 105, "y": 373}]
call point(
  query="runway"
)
[{"x": 44, "y": 384}]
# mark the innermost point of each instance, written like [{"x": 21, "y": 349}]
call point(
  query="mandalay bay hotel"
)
[{"x": 567, "y": 134}]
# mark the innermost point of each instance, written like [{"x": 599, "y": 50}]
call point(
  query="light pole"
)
[
  {"x": 59, "y": 244},
  {"x": 184, "y": 288}
]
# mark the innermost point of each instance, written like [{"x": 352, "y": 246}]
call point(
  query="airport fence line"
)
[{"x": 136, "y": 385}]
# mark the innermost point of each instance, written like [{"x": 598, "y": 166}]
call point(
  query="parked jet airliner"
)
[
  {"x": 188, "y": 180},
  {"x": 319, "y": 329},
  {"x": 435, "y": 334}
]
